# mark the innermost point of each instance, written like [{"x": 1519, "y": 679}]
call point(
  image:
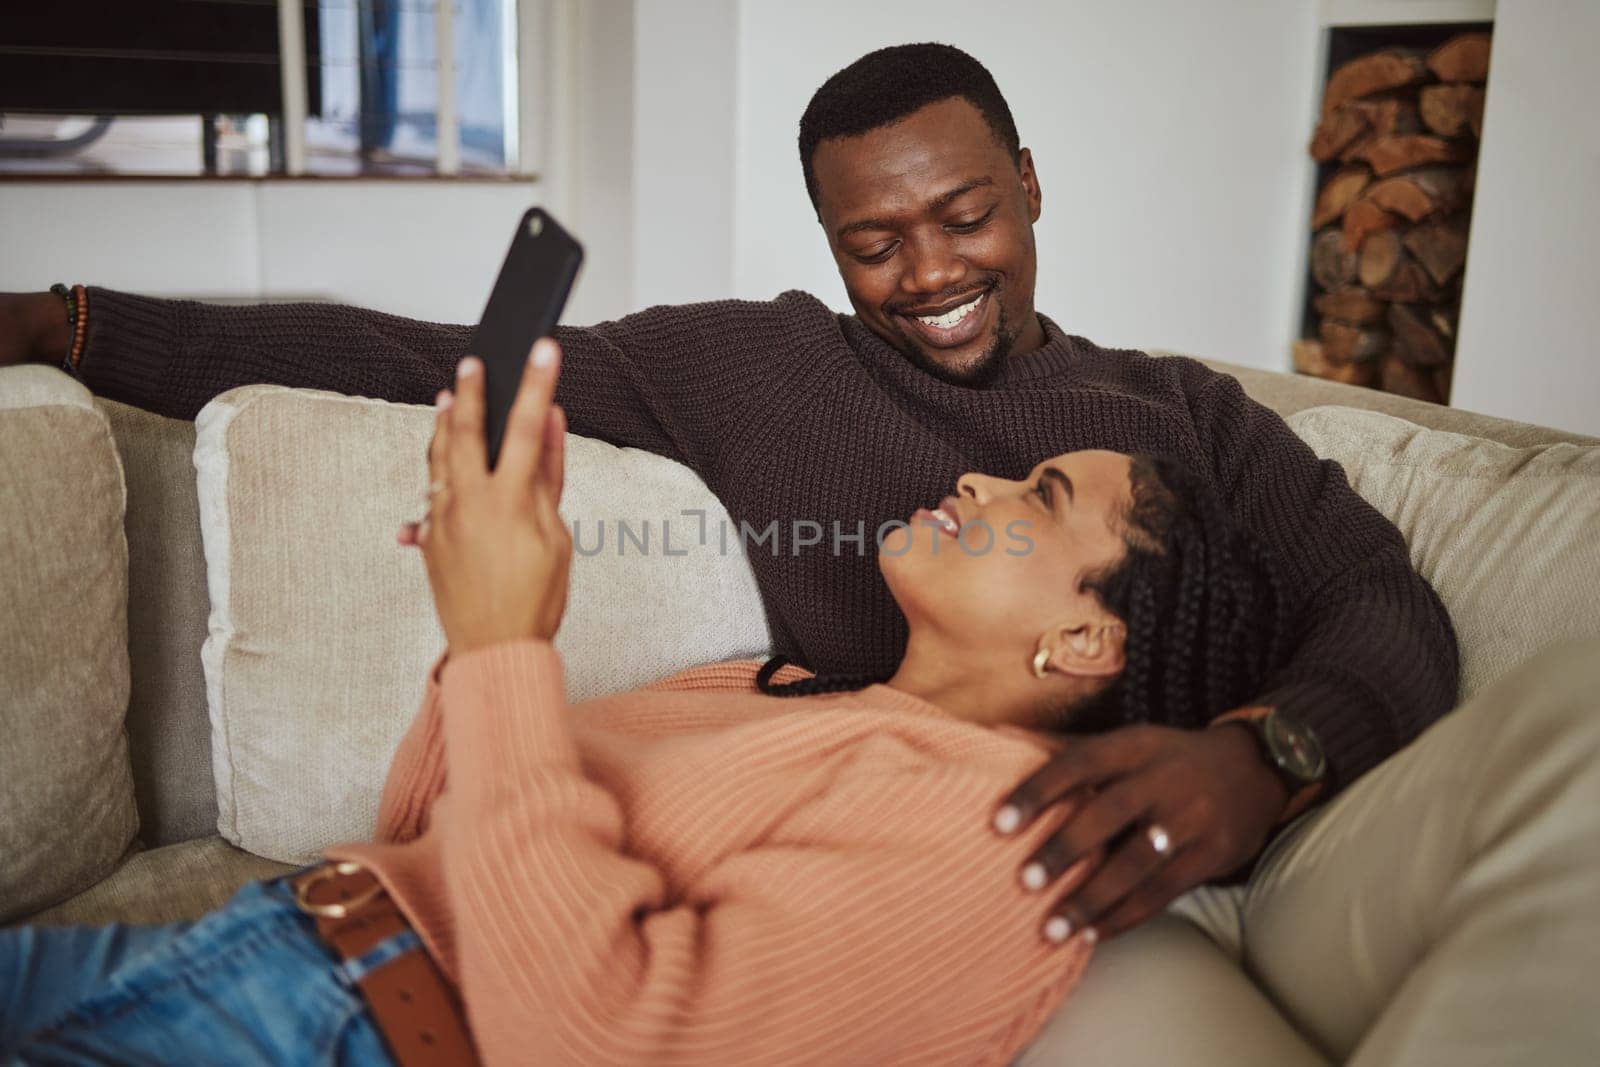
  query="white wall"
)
[
  {"x": 388, "y": 245},
  {"x": 595, "y": 158},
  {"x": 1530, "y": 313},
  {"x": 1169, "y": 138},
  {"x": 685, "y": 83}
]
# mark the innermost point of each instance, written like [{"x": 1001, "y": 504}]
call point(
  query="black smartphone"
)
[{"x": 524, "y": 305}]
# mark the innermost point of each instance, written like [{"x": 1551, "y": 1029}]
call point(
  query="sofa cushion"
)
[
  {"x": 169, "y": 739},
  {"x": 1164, "y": 993},
  {"x": 1292, "y": 392},
  {"x": 176, "y": 883},
  {"x": 66, "y": 788},
  {"x": 1509, "y": 537},
  {"x": 322, "y": 627}
]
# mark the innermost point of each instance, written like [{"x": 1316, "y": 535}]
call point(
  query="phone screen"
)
[{"x": 524, "y": 305}]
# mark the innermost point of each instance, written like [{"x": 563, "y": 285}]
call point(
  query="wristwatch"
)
[{"x": 1290, "y": 748}]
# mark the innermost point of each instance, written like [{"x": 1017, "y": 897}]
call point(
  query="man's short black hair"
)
[{"x": 885, "y": 86}]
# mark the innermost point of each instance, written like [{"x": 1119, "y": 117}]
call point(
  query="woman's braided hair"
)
[{"x": 1205, "y": 610}]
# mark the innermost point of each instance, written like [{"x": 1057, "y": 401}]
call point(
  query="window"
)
[{"x": 196, "y": 87}]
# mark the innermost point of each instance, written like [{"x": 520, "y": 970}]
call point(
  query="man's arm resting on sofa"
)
[
  {"x": 1376, "y": 661},
  {"x": 173, "y": 356},
  {"x": 33, "y": 329}
]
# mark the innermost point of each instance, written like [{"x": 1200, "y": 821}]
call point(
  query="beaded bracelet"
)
[{"x": 77, "y": 299}]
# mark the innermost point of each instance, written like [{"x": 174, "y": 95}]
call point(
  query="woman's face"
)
[{"x": 994, "y": 566}]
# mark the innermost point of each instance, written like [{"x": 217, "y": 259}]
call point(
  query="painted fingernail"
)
[
  {"x": 1089, "y": 935},
  {"x": 1006, "y": 819},
  {"x": 1034, "y": 876},
  {"x": 543, "y": 354},
  {"x": 468, "y": 367},
  {"x": 1057, "y": 929},
  {"x": 444, "y": 400}
]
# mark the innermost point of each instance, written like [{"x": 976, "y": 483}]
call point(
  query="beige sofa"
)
[{"x": 262, "y": 694}]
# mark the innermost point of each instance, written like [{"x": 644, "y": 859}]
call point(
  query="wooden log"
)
[
  {"x": 1440, "y": 246},
  {"x": 1381, "y": 256},
  {"x": 1387, "y": 269},
  {"x": 1388, "y": 116},
  {"x": 1463, "y": 58},
  {"x": 1444, "y": 318},
  {"x": 1452, "y": 110},
  {"x": 1441, "y": 381},
  {"x": 1389, "y": 155},
  {"x": 1351, "y": 304},
  {"x": 1307, "y": 355},
  {"x": 1336, "y": 131},
  {"x": 1358, "y": 122},
  {"x": 1364, "y": 218},
  {"x": 1410, "y": 284},
  {"x": 1416, "y": 342},
  {"x": 1309, "y": 359},
  {"x": 1375, "y": 72},
  {"x": 1421, "y": 194},
  {"x": 1414, "y": 382},
  {"x": 1338, "y": 193},
  {"x": 1332, "y": 264},
  {"x": 1344, "y": 343}
]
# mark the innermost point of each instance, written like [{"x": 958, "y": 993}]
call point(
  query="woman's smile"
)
[
  {"x": 947, "y": 515},
  {"x": 947, "y": 526}
]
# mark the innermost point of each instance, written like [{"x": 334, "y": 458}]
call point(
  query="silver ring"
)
[{"x": 1159, "y": 838}]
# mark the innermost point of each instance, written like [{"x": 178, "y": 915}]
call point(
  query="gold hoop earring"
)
[{"x": 1041, "y": 663}]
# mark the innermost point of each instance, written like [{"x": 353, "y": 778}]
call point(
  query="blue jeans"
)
[{"x": 250, "y": 983}]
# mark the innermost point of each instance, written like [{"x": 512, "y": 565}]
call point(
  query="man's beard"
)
[{"x": 975, "y": 375}]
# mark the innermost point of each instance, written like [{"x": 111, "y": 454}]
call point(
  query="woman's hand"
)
[
  {"x": 497, "y": 552},
  {"x": 1209, "y": 790}
]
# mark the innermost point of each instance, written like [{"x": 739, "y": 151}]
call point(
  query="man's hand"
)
[
  {"x": 498, "y": 554},
  {"x": 33, "y": 329},
  {"x": 1209, "y": 789}
]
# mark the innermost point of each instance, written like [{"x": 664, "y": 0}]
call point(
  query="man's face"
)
[{"x": 931, "y": 223}]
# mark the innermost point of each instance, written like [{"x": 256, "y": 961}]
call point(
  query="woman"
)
[{"x": 699, "y": 873}]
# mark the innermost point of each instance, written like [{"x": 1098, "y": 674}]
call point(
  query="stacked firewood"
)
[{"x": 1401, "y": 126}]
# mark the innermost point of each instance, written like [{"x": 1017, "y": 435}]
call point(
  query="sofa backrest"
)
[
  {"x": 67, "y": 809},
  {"x": 322, "y": 627},
  {"x": 168, "y": 725},
  {"x": 1508, "y": 537},
  {"x": 1289, "y": 393},
  {"x": 169, "y": 737}
]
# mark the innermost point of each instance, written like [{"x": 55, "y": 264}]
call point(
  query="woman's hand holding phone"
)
[{"x": 497, "y": 553}]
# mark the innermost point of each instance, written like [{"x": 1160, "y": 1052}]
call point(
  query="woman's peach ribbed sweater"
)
[{"x": 701, "y": 874}]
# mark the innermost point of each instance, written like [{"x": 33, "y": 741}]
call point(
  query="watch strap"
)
[{"x": 1299, "y": 799}]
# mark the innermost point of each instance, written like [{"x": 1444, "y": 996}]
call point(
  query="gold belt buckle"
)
[{"x": 302, "y": 891}]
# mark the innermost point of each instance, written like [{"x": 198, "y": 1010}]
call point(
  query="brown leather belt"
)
[{"x": 415, "y": 1007}]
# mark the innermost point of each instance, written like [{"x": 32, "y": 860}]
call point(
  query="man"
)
[{"x": 793, "y": 414}]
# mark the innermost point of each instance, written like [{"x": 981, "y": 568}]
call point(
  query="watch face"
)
[{"x": 1294, "y": 746}]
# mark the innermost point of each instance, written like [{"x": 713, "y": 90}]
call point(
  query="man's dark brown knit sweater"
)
[{"x": 791, "y": 412}]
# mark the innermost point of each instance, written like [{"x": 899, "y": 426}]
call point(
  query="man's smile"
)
[{"x": 955, "y": 326}]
